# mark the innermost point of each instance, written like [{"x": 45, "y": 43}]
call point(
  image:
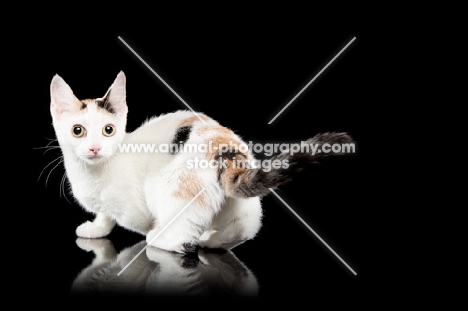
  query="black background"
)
[{"x": 241, "y": 68}]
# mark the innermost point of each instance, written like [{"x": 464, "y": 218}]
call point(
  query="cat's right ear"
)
[
  {"x": 116, "y": 95},
  {"x": 61, "y": 97}
]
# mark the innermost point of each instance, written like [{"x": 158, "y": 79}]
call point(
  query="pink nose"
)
[{"x": 95, "y": 150}]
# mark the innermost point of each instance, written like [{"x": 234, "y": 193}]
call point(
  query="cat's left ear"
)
[{"x": 116, "y": 95}]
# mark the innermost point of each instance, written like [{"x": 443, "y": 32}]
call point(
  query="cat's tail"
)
[{"x": 246, "y": 182}]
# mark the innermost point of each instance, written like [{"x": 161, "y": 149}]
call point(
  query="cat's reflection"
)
[{"x": 159, "y": 272}]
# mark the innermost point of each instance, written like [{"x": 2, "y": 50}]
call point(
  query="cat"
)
[
  {"x": 216, "y": 207},
  {"x": 161, "y": 272}
]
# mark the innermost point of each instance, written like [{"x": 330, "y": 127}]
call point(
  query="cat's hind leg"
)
[
  {"x": 183, "y": 211},
  {"x": 179, "y": 228},
  {"x": 100, "y": 227},
  {"x": 239, "y": 220}
]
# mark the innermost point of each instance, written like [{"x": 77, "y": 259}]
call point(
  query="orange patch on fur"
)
[
  {"x": 215, "y": 128},
  {"x": 189, "y": 185},
  {"x": 235, "y": 163},
  {"x": 223, "y": 138},
  {"x": 234, "y": 168},
  {"x": 220, "y": 143},
  {"x": 191, "y": 120}
]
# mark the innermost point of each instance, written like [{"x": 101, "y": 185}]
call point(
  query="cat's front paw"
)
[
  {"x": 93, "y": 244},
  {"x": 91, "y": 231}
]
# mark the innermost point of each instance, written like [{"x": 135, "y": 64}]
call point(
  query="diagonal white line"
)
[
  {"x": 167, "y": 85},
  {"x": 284, "y": 108},
  {"x": 162, "y": 230},
  {"x": 312, "y": 230}
]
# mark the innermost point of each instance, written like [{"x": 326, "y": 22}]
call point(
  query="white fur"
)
[{"x": 135, "y": 190}]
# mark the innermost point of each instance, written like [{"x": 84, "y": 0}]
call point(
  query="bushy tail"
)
[{"x": 253, "y": 182}]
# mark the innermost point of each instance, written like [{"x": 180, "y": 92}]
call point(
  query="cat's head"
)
[{"x": 89, "y": 129}]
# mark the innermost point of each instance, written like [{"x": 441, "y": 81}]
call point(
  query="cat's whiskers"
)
[
  {"x": 62, "y": 187},
  {"x": 60, "y": 159},
  {"x": 51, "y": 148},
  {"x": 48, "y": 147},
  {"x": 58, "y": 163}
]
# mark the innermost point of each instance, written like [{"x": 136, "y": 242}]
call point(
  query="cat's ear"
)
[
  {"x": 61, "y": 97},
  {"x": 116, "y": 95}
]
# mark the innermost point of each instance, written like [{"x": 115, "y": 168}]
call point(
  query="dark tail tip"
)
[
  {"x": 331, "y": 138},
  {"x": 316, "y": 149},
  {"x": 321, "y": 146}
]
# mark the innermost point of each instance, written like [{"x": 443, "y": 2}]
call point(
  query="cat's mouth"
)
[{"x": 94, "y": 158}]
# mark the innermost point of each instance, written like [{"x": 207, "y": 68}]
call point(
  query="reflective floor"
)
[
  {"x": 285, "y": 260},
  {"x": 140, "y": 269}
]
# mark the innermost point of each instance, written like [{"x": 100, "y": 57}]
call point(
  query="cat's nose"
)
[{"x": 95, "y": 150}]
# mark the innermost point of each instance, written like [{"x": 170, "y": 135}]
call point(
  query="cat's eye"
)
[
  {"x": 108, "y": 130},
  {"x": 78, "y": 131}
]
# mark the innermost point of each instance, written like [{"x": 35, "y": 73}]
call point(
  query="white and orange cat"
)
[{"x": 144, "y": 191}]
